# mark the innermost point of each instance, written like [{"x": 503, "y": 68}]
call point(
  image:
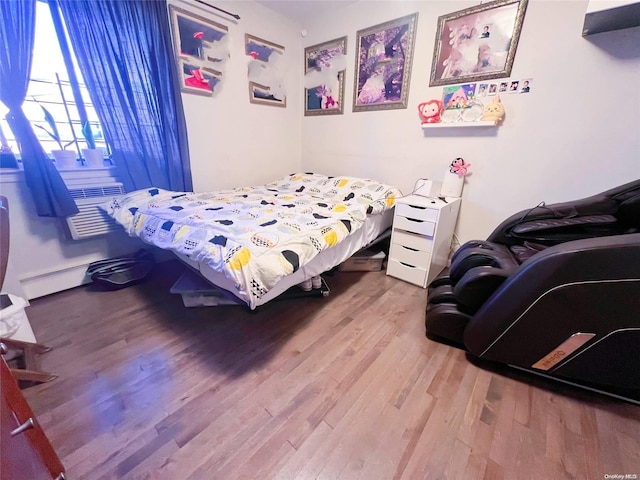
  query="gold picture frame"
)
[
  {"x": 477, "y": 43},
  {"x": 384, "y": 55}
]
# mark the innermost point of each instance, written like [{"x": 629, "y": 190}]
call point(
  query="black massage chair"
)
[{"x": 554, "y": 290}]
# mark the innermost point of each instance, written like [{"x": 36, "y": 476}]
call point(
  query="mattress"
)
[{"x": 374, "y": 226}]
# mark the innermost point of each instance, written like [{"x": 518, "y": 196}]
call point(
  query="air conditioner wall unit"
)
[
  {"x": 91, "y": 220},
  {"x": 610, "y": 15}
]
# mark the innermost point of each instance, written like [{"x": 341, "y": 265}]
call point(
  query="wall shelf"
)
[{"x": 485, "y": 123}]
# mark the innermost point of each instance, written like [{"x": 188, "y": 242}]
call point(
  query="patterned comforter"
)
[{"x": 255, "y": 235}]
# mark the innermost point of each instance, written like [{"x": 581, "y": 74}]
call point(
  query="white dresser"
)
[{"x": 421, "y": 238}]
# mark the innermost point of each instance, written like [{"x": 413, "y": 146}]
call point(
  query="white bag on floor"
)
[{"x": 12, "y": 315}]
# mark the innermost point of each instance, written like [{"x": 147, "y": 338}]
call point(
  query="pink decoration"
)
[{"x": 459, "y": 167}]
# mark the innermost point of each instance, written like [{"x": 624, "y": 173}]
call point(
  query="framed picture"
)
[
  {"x": 262, "y": 94},
  {"x": 383, "y": 65},
  {"x": 458, "y": 96},
  {"x": 478, "y": 43},
  {"x": 201, "y": 50},
  {"x": 266, "y": 84},
  {"x": 196, "y": 79},
  {"x": 324, "y": 70}
]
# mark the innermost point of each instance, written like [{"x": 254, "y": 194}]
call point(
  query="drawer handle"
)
[
  {"x": 414, "y": 220},
  {"x": 406, "y": 265},
  {"x": 25, "y": 426},
  {"x": 418, "y": 207},
  {"x": 409, "y": 248}
]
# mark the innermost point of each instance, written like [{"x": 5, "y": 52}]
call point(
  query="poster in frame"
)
[
  {"x": 266, "y": 84},
  {"x": 200, "y": 46},
  {"x": 324, "y": 63},
  {"x": 197, "y": 79},
  {"x": 478, "y": 43},
  {"x": 384, "y": 54},
  {"x": 261, "y": 94}
]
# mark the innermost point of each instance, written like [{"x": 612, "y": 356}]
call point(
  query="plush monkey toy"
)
[{"x": 430, "y": 111}]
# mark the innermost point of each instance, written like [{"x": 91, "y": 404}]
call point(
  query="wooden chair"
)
[{"x": 28, "y": 351}]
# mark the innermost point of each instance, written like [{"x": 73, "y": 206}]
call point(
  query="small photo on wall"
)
[
  {"x": 262, "y": 94},
  {"x": 199, "y": 80},
  {"x": 513, "y": 86},
  {"x": 483, "y": 90},
  {"x": 503, "y": 87},
  {"x": 525, "y": 85},
  {"x": 458, "y": 96},
  {"x": 493, "y": 89}
]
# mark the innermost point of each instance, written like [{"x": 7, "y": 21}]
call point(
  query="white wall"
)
[
  {"x": 577, "y": 133},
  {"x": 233, "y": 142},
  {"x": 599, "y": 5}
]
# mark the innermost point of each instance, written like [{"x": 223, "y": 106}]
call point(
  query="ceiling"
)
[{"x": 303, "y": 11}]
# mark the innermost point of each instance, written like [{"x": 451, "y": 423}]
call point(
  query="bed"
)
[{"x": 257, "y": 242}]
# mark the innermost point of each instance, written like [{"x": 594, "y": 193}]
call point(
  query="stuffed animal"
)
[
  {"x": 494, "y": 111},
  {"x": 430, "y": 111},
  {"x": 459, "y": 167}
]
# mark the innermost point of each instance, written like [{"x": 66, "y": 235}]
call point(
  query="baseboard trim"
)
[{"x": 46, "y": 282}]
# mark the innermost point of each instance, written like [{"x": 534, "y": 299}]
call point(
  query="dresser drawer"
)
[
  {"x": 408, "y": 273},
  {"x": 413, "y": 240},
  {"x": 417, "y": 258},
  {"x": 417, "y": 212},
  {"x": 414, "y": 225}
]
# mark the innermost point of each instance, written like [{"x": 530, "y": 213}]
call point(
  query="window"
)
[{"x": 51, "y": 87}]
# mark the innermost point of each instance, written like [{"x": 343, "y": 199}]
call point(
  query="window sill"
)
[{"x": 16, "y": 175}]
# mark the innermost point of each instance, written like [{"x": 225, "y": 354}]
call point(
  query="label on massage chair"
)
[{"x": 563, "y": 350}]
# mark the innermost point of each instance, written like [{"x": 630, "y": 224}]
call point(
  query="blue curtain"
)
[
  {"x": 17, "y": 29},
  {"x": 125, "y": 55}
]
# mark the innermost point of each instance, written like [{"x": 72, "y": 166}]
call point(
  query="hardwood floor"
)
[{"x": 345, "y": 387}]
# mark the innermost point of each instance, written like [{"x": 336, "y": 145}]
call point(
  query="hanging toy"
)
[
  {"x": 459, "y": 167},
  {"x": 452, "y": 185}
]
